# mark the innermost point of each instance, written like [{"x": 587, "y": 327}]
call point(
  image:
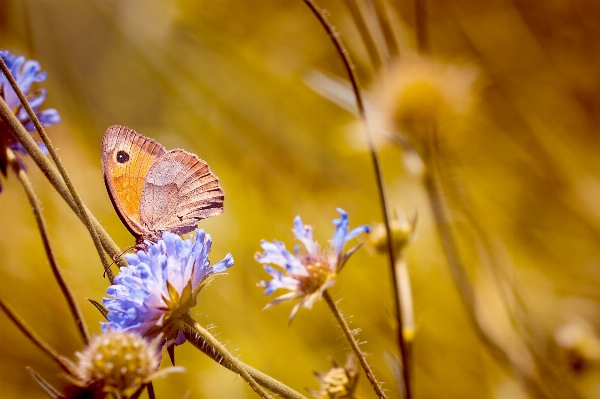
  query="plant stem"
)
[
  {"x": 11, "y": 121},
  {"x": 236, "y": 365},
  {"x": 41, "y": 222},
  {"x": 339, "y": 46},
  {"x": 365, "y": 34},
  {"x": 45, "y": 385},
  {"x": 406, "y": 301},
  {"x": 63, "y": 362},
  {"x": 78, "y": 203},
  {"x": 263, "y": 379},
  {"x": 350, "y": 337},
  {"x": 386, "y": 28},
  {"x": 150, "y": 389}
]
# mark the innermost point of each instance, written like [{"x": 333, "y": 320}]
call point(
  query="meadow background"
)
[{"x": 233, "y": 81}]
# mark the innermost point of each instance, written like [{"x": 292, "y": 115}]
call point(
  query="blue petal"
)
[
  {"x": 49, "y": 117},
  {"x": 29, "y": 74},
  {"x": 339, "y": 236},
  {"x": 304, "y": 234},
  {"x": 358, "y": 230},
  {"x": 223, "y": 265}
]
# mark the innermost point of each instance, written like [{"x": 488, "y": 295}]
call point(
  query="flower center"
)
[{"x": 319, "y": 273}]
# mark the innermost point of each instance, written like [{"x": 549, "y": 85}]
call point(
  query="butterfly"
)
[{"x": 154, "y": 190}]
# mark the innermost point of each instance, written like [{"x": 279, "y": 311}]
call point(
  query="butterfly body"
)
[{"x": 154, "y": 190}]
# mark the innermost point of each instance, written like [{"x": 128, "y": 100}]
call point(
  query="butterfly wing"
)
[
  {"x": 180, "y": 190},
  {"x": 126, "y": 159}
]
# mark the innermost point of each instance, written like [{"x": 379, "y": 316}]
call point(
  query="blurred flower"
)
[
  {"x": 419, "y": 93},
  {"x": 339, "y": 382},
  {"x": 118, "y": 362},
  {"x": 580, "y": 344},
  {"x": 308, "y": 273},
  {"x": 403, "y": 232},
  {"x": 161, "y": 284},
  {"x": 25, "y": 74}
]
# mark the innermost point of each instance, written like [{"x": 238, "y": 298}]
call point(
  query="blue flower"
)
[
  {"x": 25, "y": 72},
  {"x": 161, "y": 284},
  {"x": 306, "y": 274}
]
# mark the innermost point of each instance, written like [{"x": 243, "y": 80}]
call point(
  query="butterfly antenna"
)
[{"x": 127, "y": 249}]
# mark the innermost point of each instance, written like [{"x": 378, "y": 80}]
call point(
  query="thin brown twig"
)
[
  {"x": 345, "y": 57},
  {"x": 61, "y": 169},
  {"x": 52, "y": 174},
  {"x": 64, "y": 363},
  {"x": 41, "y": 222},
  {"x": 150, "y": 389}
]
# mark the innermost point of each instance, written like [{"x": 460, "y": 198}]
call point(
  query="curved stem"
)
[
  {"x": 41, "y": 222},
  {"x": 350, "y": 337},
  {"x": 435, "y": 193},
  {"x": 263, "y": 379},
  {"x": 64, "y": 363},
  {"x": 78, "y": 203},
  {"x": 51, "y": 173},
  {"x": 331, "y": 32},
  {"x": 236, "y": 365}
]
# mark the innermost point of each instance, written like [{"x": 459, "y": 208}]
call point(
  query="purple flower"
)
[
  {"x": 305, "y": 274},
  {"x": 161, "y": 284},
  {"x": 25, "y": 72}
]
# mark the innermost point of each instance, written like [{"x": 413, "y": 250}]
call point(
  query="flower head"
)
[
  {"x": 161, "y": 284},
  {"x": 403, "y": 231},
  {"x": 306, "y": 274},
  {"x": 419, "y": 93},
  {"x": 25, "y": 72},
  {"x": 118, "y": 362},
  {"x": 338, "y": 382}
]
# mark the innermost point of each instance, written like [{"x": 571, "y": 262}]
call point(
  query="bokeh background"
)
[{"x": 252, "y": 87}]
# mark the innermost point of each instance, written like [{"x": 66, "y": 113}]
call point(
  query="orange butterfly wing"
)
[{"x": 126, "y": 159}]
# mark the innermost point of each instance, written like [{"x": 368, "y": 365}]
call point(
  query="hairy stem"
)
[
  {"x": 263, "y": 379},
  {"x": 236, "y": 365},
  {"x": 339, "y": 46},
  {"x": 41, "y": 222},
  {"x": 74, "y": 194},
  {"x": 350, "y": 337}
]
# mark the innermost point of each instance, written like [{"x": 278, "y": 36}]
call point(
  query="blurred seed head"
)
[
  {"x": 338, "y": 382},
  {"x": 419, "y": 93},
  {"x": 403, "y": 232}
]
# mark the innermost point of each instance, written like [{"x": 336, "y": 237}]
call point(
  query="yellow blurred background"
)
[{"x": 246, "y": 85}]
